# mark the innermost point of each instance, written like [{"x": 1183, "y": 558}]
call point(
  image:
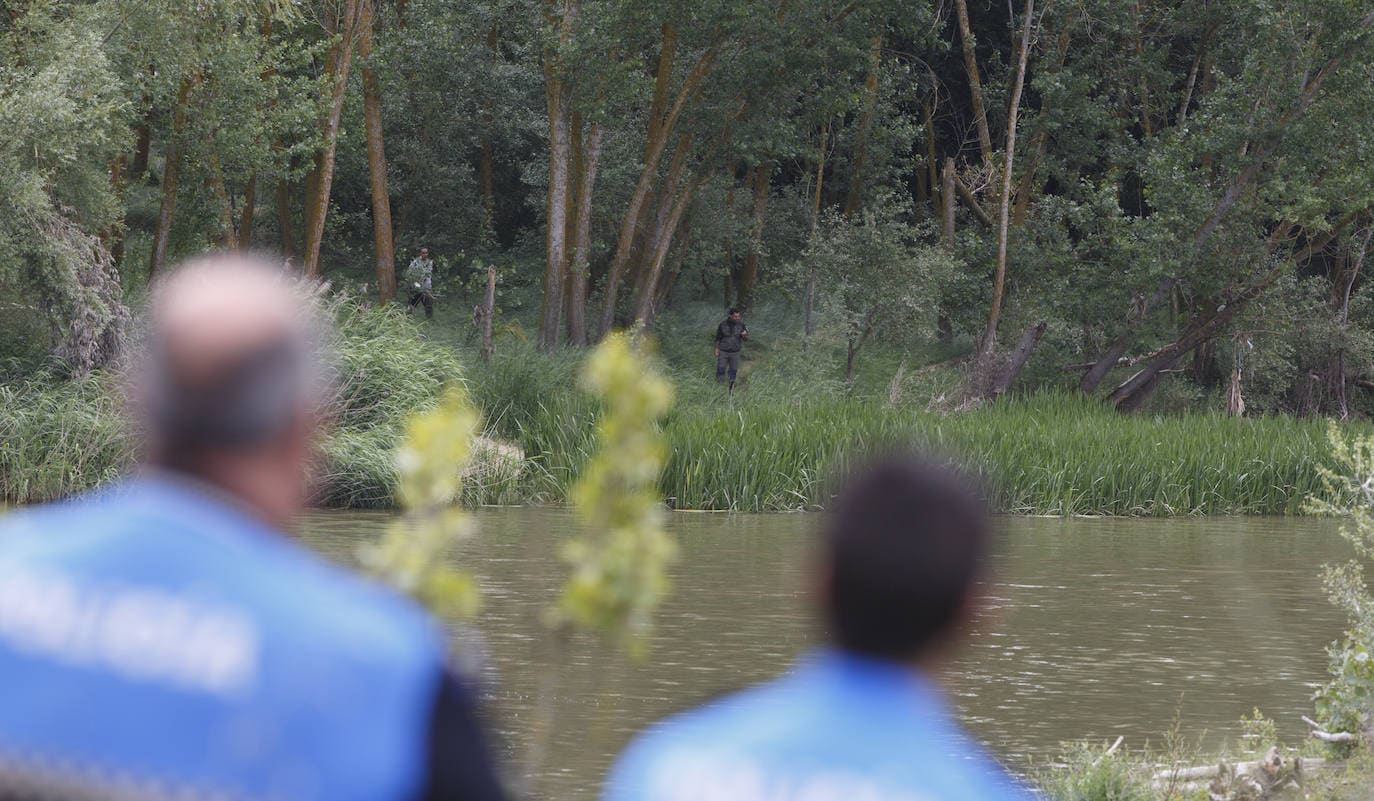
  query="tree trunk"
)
[
  {"x": 932, "y": 163},
  {"x": 667, "y": 203},
  {"x": 748, "y": 277},
  {"x": 989, "y": 341},
  {"x": 559, "y": 102},
  {"x": 486, "y": 164},
  {"x": 947, "y": 201},
  {"x": 975, "y": 84},
  {"x": 143, "y": 143},
  {"x": 870, "y": 103},
  {"x": 318, "y": 209},
  {"x": 644, "y": 311},
  {"x": 488, "y": 311},
  {"x": 1131, "y": 393},
  {"x": 856, "y": 341},
  {"x": 808, "y": 321},
  {"x": 1117, "y": 349},
  {"x": 383, "y": 243},
  {"x": 227, "y": 239},
  {"x": 582, "y": 238},
  {"x": 1018, "y": 359},
  {"x": 171, "y": 177},
  {"x": 656, "y": 143},
  {"x": 247, "y": 217},
  {"x": 284, "y": 226}
]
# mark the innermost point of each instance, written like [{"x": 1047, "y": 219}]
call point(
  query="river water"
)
[{"x": 1095, "y": 628}]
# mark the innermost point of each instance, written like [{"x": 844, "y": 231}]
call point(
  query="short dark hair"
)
[
  {"x": 905, "y": 541},
  {"x": 733, "y": 310}
]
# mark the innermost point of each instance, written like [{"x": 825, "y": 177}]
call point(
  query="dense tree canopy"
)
[{"x": 1145, "y": 189}]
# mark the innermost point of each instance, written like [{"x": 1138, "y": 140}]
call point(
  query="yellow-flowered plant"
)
[
  {"x": 619, "y": 560},
  {"x": 412, "y": 555}
]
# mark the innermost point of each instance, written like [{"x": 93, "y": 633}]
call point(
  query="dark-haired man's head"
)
[
  {"x": 902, "y": 545},
  {"x": 733, "y": 314},
  {"x": 229, "y": 385}
]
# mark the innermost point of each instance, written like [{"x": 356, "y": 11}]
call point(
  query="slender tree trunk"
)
[
  {"x": 228, "y": 238},
  {"x": 319, "y": 202},
  {"x": 171, "y": 177},
  {"x": 486, "y": 164},
  {"x": 856, "y": 341},
  {"x": 114, "y": 236},
  {"x": 644, "y": 313},
  {"x": 558, "y": 98},
  {"x": 247, "y": 217},
  {"x": 667, "y": 202},
  {"x": 975, "y": 84},
  {"x": 383, "y": 243},
  {"x": 582, "y": 239},
  {"x": 988, "y": 345},
  {"x": 488, "y": 311},
  {"x": 947, "y": 199},
  {"x": 749, "y": 275},
  {"x": 870, "y": 104},
  {"x": 1093, "y": 378},
  {"x": 1018, "y": 359},
  {"x": 284, "y": 225},
  {"x": 656, "y": 143},
  {"x": 932, "y": 162},
  {"x": 143, "y": 143},
  {"x": 808, "y": 319}
]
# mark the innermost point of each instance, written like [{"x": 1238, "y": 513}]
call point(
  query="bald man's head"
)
[{"x": 231, "y": 375}]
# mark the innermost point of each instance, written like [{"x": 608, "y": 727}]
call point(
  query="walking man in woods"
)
[
  {"x": 420, "y": 282},
  {"x": 730, "y": 336},
  {"x": 862, "y": 718},
  {"x": 164, "y": 638}
]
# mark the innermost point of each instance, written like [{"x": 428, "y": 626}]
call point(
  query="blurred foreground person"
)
[
  {"x": 862, "y": 719},
  {"x": 164, "y": 639}
]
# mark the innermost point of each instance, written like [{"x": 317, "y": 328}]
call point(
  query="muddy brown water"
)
[{"x": 1096, "y": 628}]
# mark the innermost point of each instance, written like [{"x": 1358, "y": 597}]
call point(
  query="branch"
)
[{"x": 1319, "y": 733}]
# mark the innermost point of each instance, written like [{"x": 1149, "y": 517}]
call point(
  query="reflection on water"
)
[{"x": 1094, "y": 628}]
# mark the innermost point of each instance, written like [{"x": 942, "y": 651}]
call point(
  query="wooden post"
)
[{"x": 488, "y": 310}]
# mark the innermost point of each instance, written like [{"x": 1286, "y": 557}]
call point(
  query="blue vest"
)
[
  {"x": 839, "y": 728},
  {"x": 158, "y": 640}
]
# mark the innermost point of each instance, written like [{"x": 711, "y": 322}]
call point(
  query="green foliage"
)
[
  {"x": 1090, "y": 773},
  {"x": 1346, "y": 702},
  {"x": 412, "y": 554},
  {"x": 618, "y": 562}
]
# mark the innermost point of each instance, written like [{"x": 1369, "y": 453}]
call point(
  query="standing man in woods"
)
[
  {"x": 730, "y": 336},
  {"x": 420, "y": 282},
  {"x": 164, "y": 638},
  {"x": 863, "y": 717}
]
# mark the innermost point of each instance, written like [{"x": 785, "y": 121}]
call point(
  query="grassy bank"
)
[{"x": 776, "y": 445}]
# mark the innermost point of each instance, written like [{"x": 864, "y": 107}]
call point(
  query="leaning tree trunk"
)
[
  {"x": 809, "y": 300},
  {"x": 748, "y": 276},
  {"x": 975, "y": 84},
  {"x": 323, "y": 182},
  {"x": 870, "y": 103},
  {"x": 987, "y": 347},
  {"x": 171, "y": 177},
  {"x": 383, "y": 244},
  {"x": 582, "y": 238}
]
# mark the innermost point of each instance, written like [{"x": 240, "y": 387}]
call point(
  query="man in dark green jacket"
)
[{"x": 730, "y": 336}]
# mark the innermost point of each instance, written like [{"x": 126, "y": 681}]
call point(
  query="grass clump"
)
[{"x": 58, "y": 437}]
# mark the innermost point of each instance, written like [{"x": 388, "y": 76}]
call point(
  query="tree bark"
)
[
  {"x": 284, "y": 224},
  {"x": 975, "y": 84},
  {"x": 644, "y": 312},
  {"x": 486, "y": 164},
  {"x": 667, "y": 203},
  {"x": 383, "y": 242},
  {"x": 1117, "y": 349},
  {"x": 808, "y": 320},
  {"x": 749, "y": 275},
  {"x": 247, "y": 217},
  {"x": 582, "y": 238},
  {"x": 1018, "y": 359},
  {"x": 947, "y": 199},
  {"x": 989, "y": 341},
  {"x": 856, "y": 341},
  {"x": 143, "y": 144},
  {"x": 559, "y": 102},
  {"x": 171, "y": 177},
  {"x": 318, "y": 209},
  {"x": 228, "y": 238},
  {"x": 656, "y": 144},
  {"x": 870, "y": 104},
  {"x": 488, "y": 311}
]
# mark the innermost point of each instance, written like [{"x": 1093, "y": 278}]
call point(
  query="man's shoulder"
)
[
  {"x": 791, "y": 739},
  {"x": 177, "y": 543}
]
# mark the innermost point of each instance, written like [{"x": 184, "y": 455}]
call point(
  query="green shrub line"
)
[{"x": 777, "y": 445}]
